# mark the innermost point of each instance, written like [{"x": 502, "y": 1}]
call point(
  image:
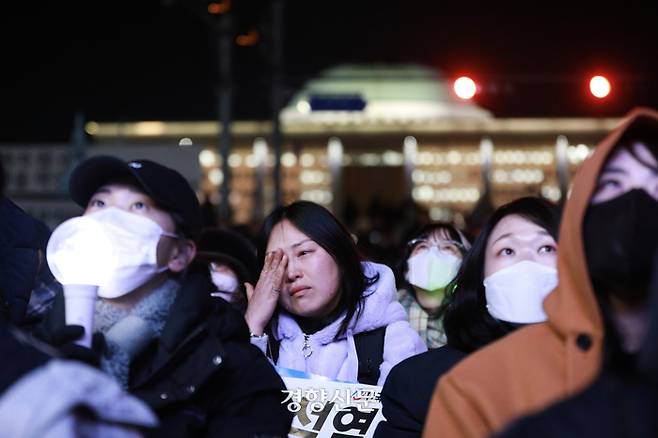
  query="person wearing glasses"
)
[{"x": 431, "y": 260}]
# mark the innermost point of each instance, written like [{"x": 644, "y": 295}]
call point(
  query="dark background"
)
[{"x": 157, "y": 60}]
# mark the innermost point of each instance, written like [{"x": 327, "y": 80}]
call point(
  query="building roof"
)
[{"x": 392, "y": 94}]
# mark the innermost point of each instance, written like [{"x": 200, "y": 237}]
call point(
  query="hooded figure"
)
[
  {"x": 542, "y": 363},
  {"x": 622, "y": 402}
]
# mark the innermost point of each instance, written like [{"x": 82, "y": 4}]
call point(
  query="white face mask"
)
[
  {"x": 432, "y": 269},
  {"x": 224, "y": 282},
  {"x": 516, "y": 293},
  {"x": 119, "y": 248}
]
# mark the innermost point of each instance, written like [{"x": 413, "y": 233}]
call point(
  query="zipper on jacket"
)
[{"x": 306, "y": 347}]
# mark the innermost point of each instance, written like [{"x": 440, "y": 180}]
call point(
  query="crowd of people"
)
[{"x": 546, "y": 324}]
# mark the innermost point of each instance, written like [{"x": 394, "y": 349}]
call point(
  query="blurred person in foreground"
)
[
  {"x": 45, "y": 396},
  {"x": 157, "y": 330},
  {"x": 597, "y": 315},
  {"x": 501, "y": 285},
  {"x": 23, "y": 267},
  {"x": 41, "y": 394}
]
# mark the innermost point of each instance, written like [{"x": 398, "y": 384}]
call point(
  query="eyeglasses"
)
[{"x": 444, "y": 246}]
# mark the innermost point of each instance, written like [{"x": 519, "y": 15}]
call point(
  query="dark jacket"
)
[
  {"x": 19, "y": 358},
  {"x": 21, "y": 262},
  {"x": 611, "y": 407},
  {"x": 408, "y": 390},
  {"x": 202, "y": 377}
]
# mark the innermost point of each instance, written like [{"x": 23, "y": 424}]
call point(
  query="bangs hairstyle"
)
[
  {"x": 324, "y": 229},
  {"x": 424, "y": 233},
  {"x": 467, "y": 323}
]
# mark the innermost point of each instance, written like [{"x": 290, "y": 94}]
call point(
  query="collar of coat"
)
[{"x": 379, "y": 308}]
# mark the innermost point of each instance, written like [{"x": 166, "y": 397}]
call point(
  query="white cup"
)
[{"x": 79, "y": 305}]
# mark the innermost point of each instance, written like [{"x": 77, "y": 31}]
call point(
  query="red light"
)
[
  {"x": 248, "y": 39},
  {"x": 599, "y": 86},
  {"x": 465, "y": 87},
  {"x": 219, "y": 7}
]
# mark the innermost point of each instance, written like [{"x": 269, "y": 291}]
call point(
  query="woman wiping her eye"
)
[{"x": 315, "y": 302}]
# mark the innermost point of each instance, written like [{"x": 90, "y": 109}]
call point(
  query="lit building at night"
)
[{"x": 354, "y": 133}]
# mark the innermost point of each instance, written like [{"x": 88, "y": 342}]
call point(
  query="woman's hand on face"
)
[{"x": 264, "y": 297}]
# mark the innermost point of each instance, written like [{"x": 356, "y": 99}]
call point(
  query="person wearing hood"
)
[
  {"x": 160, "y": 334},
  {"x": 622, "y": 401},
  {"x": 431, "y": 260},
  {"x": 500, "y": 287},
  {"x": 315, "y": 301},
  {"x": 231, "y": 262},
  {"x": 608, "y": 238}
]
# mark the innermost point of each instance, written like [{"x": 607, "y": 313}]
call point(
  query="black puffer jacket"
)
[
  {"x": 612, "y": 407},
  {"x": 21, "y": 262},
  {"x": 202, "y": 377},
  {"x": 407, "y": 393},
  {"x": 20, "y": 357}
]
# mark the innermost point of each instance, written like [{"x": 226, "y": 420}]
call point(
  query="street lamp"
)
[
  {"x": 464, "y": 87},
  {"x": 599, "y": 86}
]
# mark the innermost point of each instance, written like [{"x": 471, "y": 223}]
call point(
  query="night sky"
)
[{"x": 146, "y": 60}]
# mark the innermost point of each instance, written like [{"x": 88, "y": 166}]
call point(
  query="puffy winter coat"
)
[
  {"x": 21, "y": 239},
  {"x": 408, "y": 391},
  {"x": 337, "y": 359}
]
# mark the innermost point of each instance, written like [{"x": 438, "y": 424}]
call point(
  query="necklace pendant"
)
[{"x": 307, "y": 351}]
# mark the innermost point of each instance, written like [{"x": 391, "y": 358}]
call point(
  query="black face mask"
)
[{"x": 620, "y": 238}]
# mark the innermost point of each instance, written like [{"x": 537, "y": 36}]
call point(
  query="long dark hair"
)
[
  {"x": 467, "y": 323},
  {"x": 324, "y": 229}
]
